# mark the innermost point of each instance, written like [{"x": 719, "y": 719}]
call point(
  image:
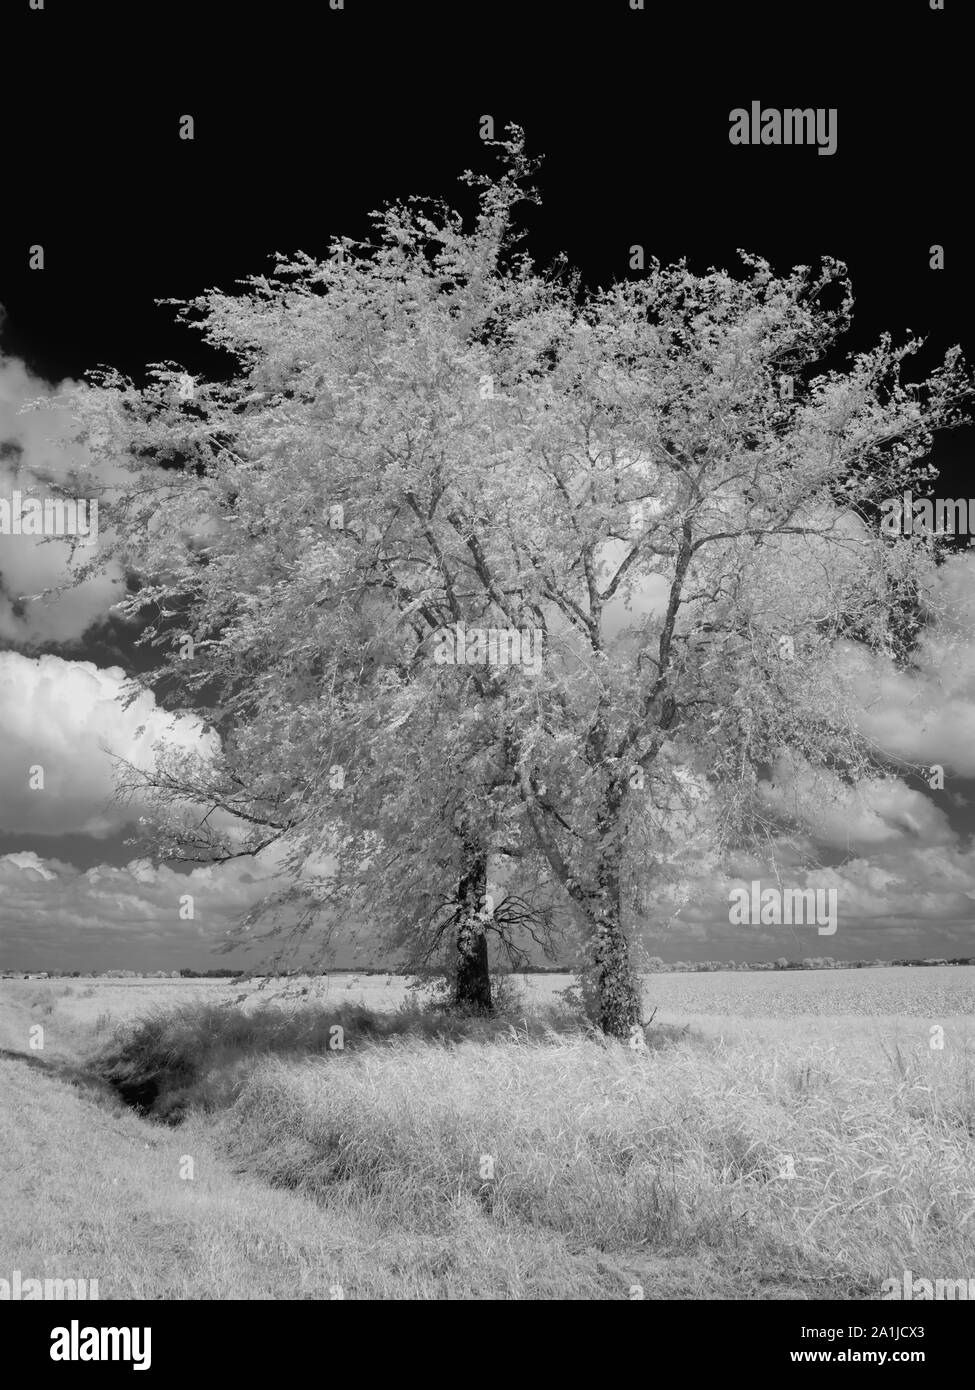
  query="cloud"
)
[
  {"x": 915, "y": 901},
  {"x": 137, "y": 916},
  {"x": 107, "y": 916},
  {"x": 877, "y": 813},
  {"x": 67, "y": 718},
  {"x": 926, "y": 714},
  {"x": 34, "y": 452}
]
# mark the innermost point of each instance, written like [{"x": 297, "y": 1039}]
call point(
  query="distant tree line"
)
[
  {"x": 654, "y": 966},
  {"x": 807, "y": 963}
]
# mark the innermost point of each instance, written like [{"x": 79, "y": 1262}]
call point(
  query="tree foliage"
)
[{"x": 425, "y": 432}]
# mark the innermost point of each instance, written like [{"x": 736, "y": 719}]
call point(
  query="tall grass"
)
[
  {"x": 799, "y": 1171},
  {"x": 195, "y": 1057},
  {"x": 776, "y": 1166}
]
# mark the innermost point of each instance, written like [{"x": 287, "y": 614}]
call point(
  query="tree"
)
[
  {"x": 618, "y": 474},
  {"x": 322, "y": 517},
  {"x": 732, "y": 700}
]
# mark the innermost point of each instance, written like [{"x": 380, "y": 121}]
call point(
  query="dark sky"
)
[
  {"x": 305, "y": 124},
  {"x": 306, "y": 118}
]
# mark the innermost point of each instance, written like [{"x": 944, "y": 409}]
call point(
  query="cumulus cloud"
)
[
  {"x": 877, "y": 812},
  {"x": 142, "y": 916},
  {"x": 915, "y": 900},
  {"x": 66, "y": 718},
  {"x": 34, "y": 453},
  {"x": 51, "y": 910},
  {"x": 926, "y": 714}
]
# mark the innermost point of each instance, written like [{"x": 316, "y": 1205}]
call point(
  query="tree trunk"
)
[
  {"x": 616, "y": 986},
  {"x": 472, "y": 977},
  {"x": 617, "y": 991}
]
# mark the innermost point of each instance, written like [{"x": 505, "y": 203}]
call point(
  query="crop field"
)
[
  {"x": 786, "y": 1135},
  {"x": 871, "y": 992}
]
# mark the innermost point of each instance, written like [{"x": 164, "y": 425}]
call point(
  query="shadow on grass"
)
[
  {"x": 77, "y": 1074},
  {"x": 197, "y": 1056}
]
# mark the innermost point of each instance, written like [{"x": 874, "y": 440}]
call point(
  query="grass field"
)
[{"x": 787, "y": 1135}]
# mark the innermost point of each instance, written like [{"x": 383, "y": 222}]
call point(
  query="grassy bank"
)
[
  {"x": 427, "y": 1156},
  {"x": 770, "y": 1169},
  {"x": 196, "y": 1056}
]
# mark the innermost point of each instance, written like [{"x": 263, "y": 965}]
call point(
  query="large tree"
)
[
  {"x": 295, "y": 535},
  {"x": 669, "y": 484},
  {"x": 701, "y": 670}
]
